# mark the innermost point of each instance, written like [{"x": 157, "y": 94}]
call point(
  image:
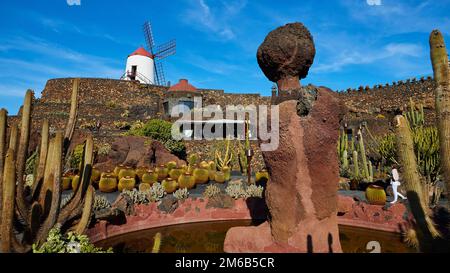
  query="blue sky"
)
[{"x": 358, "y": 42}]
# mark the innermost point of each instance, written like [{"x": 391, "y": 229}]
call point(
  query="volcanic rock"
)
[
  {"x": 137, "y": 151},
  {"x": 286, "y": 55}
]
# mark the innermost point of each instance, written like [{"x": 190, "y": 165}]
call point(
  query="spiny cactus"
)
[
  {"x": 3, "y": 125},
  {"x": 211, "y": 191},
  {"x": 411, "y": 177},
  {"x": 439, "y": 59},
  {"x": 224, "y": 158},
  {"x": 40, "y": 210},
  {"x": 242, "y": 154},
  {"x": 362, "y": 149},
  {"x": 416, "y": 117},
  {"x": 355, "y": 164}
]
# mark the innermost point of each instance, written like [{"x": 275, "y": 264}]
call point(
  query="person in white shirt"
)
[{"x": 395, "y": 182}]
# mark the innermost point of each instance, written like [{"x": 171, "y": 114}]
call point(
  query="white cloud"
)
[
  {"x": 374, "y": 2},
  {"x": 74, "y": 2},
  {"x": 214, "y": 19},
  {"x": 358, "y": 55}
]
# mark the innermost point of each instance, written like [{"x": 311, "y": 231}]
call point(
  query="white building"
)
[{"x": 140, "y": 67}]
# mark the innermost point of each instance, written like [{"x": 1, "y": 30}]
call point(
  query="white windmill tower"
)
[{"x": 144, "y": 65}]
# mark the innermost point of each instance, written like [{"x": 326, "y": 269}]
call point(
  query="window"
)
[{"x": 189, "y": 104}]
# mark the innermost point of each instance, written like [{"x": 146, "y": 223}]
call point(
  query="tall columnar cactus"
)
[
  {"x": 345, "y": 160},
  {"x": 22, "y": 151},
  {"x": 355, "y": 164},
  {"x": 9, "y": 189},
  {"x": 412, "y": 179},
  {"x": 3, "y": 125},
  {"x": 416, "y": 117},
  {"x": 439, "y": 59},
  {"x": 40, "y": 210},
  {"x": 73, "y": 114},
  {"x": 362, "y": 149}
]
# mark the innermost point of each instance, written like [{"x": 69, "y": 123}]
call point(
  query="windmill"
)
[{"x": 159, "y": 52}]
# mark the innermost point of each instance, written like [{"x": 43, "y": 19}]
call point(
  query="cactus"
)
[
  {"x": 127, "y": 183},
  {"x": 108, "y": 183},
  {"x": 169, "y": 185},
  {"x": 163, "y": 172},
  {"x": 201, "y": 176},
  {"x": 345, "y": 160},
  {"x": 21, "y": 155},
  {"x": 439, "y": 59},
  {"x": 70, "y": 127},
  {"x": 355, "y": 164},
  {"x": 150, "y": 177},
  {"x": 39, "y": 211},
  {"x": 365, "y": 170},
  {"x": 187, "y": 181},
  {"x": 9, "y": 189},
  {"x": 224, "y": 158},
  {"x": 219, "y": 177},
  {"x": 412, "y": 179},
  {"x": 193, "y": 159},
  {"x": 3, "y": 125},
  {"x": 211, "y": 191},
  {"x": 376, "y": 195},
  {"x": 157, "y": 243},
  {"x": 416, "y": 117},
  {"x": 175, "y": 173},
  {"x": 127, "y": 172}
]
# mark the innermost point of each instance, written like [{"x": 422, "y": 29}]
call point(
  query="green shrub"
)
[{"x": 160, "y": 130}]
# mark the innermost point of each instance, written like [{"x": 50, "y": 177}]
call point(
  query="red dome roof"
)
[
  {"x": 141, "y": 52},
  {"x": 183, "y": 85}
]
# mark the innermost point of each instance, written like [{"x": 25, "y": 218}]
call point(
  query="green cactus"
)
[
  {"x": 157, "y": 243},
  {"x": 362, "y": 149},
  {"x": 193, "y": 159},
  {"x": 3, "y": 125},
  {"x": 416, "y": 117},
  {"x": 355, "y": 164},
  {"x": 345, "y": 160},
  {"x": 224, "y": 158},
  {"x": 415, "y": 193},
  {"x": 439, "y": 60},
  {"x": 39, "y": 210},
  {"x": 21, "y": 155}
]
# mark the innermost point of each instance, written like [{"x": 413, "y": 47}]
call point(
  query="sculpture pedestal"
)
[{"x": 302, "y": 193}]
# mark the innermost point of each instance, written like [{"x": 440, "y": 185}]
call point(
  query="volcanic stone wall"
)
[{"x": 377, "y": 106}]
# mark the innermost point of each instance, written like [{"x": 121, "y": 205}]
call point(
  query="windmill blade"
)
[
  {"x": 148, "y": 34},
  {"x": 159, "y": 74},
  {"x": 167, "y": 49}
]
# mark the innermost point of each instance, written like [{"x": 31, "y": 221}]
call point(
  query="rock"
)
[
  {"x": 221, "y": 201},
  {"x": 136, "y": 152},
  {"x": 286, "y": 55},
  {"x": 168, "y": 205},
  {"x": 113, "y": 216},
  {"x": 345, "y": 204},
  {"x": 125, "y": 204},
  {"x": 302, "y": 193}
]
